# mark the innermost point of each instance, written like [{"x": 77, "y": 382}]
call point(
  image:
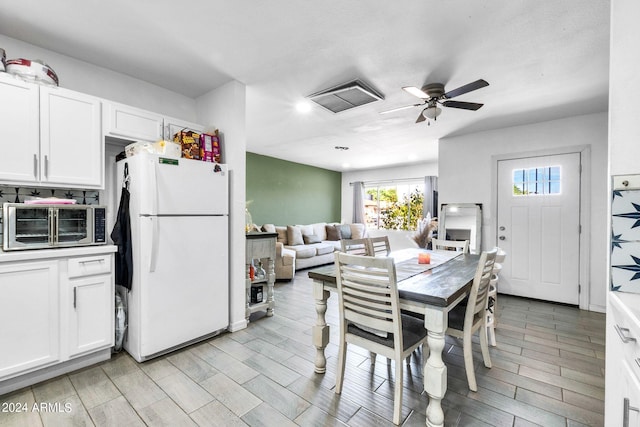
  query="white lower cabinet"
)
[
  {"x": 90, "y": 301},
  {"x": 90, "y": 325},
  {"x": 56, "y": 315},
  {"x": 622, "y": 388},
  {"x": 29, "y": 316}
]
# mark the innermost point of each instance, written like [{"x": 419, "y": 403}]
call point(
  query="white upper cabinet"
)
[
  {"x": 49, "y": 136},
  {"x": 123, "y": 121},
  {"x": 130, "y": 123},
  {"x": 19, "y": 139},
  {"x": 71, "y": 148},
  {"x": 173, "y": 126}
]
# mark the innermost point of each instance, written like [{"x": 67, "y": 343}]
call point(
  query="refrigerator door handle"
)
[
  {"x": 153, "y": 258},
  {"x": 153, "y": 188}
]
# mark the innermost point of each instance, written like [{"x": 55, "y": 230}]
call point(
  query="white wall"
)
[
  {"x": 419, "y": 170},
  {"x": 225, "y": 109},
  {"x": 101, "y": 82},
  {"x": 466, "y": 172}
]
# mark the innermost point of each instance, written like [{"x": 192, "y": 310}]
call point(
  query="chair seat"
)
[
  {"x": 456, "y": 317},
  {"x": 412, "y": 332}
]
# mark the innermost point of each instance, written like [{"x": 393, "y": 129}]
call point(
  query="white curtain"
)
[
  {"x": 358, "y": 202},
  {"x": 430, "y": 185}
]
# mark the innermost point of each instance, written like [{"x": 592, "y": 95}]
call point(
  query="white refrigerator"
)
[{"x": 179, "y": 234}]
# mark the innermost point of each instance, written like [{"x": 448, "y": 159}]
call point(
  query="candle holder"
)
[{"x": 424, "y": 258}]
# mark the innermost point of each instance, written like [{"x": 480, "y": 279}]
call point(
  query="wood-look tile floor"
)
[{"x": 548, "y": 370}]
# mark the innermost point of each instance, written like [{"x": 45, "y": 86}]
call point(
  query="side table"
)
[{"x": 260, "y": 246}]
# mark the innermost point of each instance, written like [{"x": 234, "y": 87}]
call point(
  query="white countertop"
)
[{"x": 36, "y": 254}]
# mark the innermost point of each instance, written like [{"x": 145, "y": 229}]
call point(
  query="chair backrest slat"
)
[{"x": 451, "y": 245}]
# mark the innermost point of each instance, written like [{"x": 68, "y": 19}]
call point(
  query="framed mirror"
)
[{"x": 461, "y": 221}]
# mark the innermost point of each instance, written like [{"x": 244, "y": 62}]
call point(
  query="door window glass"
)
[{"x": 537, "y": 181}]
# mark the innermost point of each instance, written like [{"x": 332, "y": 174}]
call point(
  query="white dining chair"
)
[
  {"x": 465, "y": 320},
  {"x": 379, "y": 246},
  {"x": 355, "y": 246},
  {"x": 451, "y": 245},
  {"x": 492, "y": 297},
  {"x": 370, "y": 316}
]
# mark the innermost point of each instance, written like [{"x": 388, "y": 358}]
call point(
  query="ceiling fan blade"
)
[
  {"x": 421, "y": 118},
  {"x": 400, "y": 108},
  {"x": 416, "y": 92},
  {"x": 462, "y": 105},
  {"x": 466, "y": 88}
]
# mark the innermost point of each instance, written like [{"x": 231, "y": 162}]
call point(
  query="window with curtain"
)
[{"x": 394, "y": 206}]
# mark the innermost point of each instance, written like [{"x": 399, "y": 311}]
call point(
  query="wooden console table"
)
[{"x": 261, "y": 246}]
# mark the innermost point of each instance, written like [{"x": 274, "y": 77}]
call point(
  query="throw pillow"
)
[
  {"x": 294, "y": 235},
  {"x": 282, "y": 234},
  {"x": 333, "y": 232},
  {"x": 310, "y": 238},
  {"x": 269, "y": 228},
  {"x": 345, "y": 231},
  {"x": 306, "y": 230},
  {"x": 358, "y": 231}
]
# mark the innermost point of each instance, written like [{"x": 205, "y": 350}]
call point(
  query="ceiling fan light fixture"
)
[{"x": 431, "y": 112}]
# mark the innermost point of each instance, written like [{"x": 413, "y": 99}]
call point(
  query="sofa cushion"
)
[
  {"x": 294, "y": 235},
  {"x": 311, "y": 238},
  {"x": 337, "y": 244},
  {"x": 333, "y": 232},
  {"x": 319, "y": 230},
  {"x": 325, "y": 249},
  {"x": 358, "y": 231},
  {"x": 345, "y": 231},
  {"x": 307, "y": 230},
  {"x": 304, "y": 251},
  {"x": 282, "y": 234}
]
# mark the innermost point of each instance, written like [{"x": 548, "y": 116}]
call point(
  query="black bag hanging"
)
[{"x": 121, "y": 236}]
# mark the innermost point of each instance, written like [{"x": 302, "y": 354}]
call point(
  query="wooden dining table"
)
[{"x": 429, "y": 289}]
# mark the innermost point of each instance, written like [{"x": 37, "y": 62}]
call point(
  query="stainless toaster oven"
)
[{"x": 39, "y": 226}]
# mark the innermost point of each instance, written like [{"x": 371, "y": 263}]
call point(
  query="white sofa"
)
[{"x": 304, "y": 246}]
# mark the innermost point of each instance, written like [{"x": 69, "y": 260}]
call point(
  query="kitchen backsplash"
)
[{"x": 10, "y": 194}]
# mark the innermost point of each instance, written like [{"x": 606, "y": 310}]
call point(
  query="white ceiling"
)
[{"x": 543, "y": 60}]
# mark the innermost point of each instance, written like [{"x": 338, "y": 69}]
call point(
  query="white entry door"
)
[{"x": 539, "y": 227}]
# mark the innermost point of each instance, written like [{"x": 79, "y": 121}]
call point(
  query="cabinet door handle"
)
[
  {"x": 74, "y": 296},
  {"x": 46, "y": 166},
  {"x": 35, "y": 166},
  {"x": 622, "y": 332},
  {"x": 625, "y": 411},
  {"x": 92, "y": 260}
]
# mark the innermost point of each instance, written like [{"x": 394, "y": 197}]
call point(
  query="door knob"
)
[
  {"x": 502, "y": 228},
  {"x": 501, "y": 237}
]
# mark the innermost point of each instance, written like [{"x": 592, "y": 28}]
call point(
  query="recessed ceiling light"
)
[{"x": 303, "y": 107}]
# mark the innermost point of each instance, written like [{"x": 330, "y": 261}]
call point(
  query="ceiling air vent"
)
[{"x": 345, "y": 96}]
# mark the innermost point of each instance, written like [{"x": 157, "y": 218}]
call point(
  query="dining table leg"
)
[
  {"x": 435, "y": 371},
  {"x": 321, "y": 329}
]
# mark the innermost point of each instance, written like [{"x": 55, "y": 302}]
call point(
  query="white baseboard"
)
[{"x": 238, "y": 326}]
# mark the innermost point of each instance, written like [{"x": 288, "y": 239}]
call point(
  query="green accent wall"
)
[{"x": 285, "y": 193}]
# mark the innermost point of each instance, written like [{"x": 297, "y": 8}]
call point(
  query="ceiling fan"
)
[{"x": 433, "y": 94}]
